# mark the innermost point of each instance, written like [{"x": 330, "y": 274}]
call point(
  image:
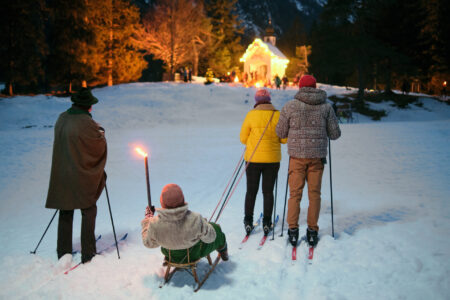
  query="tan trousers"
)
[{"x": 311, "y": 170}]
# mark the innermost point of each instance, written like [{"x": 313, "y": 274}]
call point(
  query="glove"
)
[{"x": 149, "y": 211}]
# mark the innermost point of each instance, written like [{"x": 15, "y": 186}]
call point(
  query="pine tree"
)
[
  {"x": 23, "y": 48},
  {"x": 70, "y": 37},
  {"x": 225, "y": 49},
  {"x": 114, "y": 55},
  {"x": 294, "y": 37},
  {"x": 435, "y": 36},
  {"x": 391, "y": 23},
  {"x": 332, "y": 44}
]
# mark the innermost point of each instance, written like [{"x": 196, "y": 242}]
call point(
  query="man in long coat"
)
[{"x": 77, "y": 176}]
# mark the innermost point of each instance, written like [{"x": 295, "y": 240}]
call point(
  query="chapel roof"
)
[{"x": 274, "y": 51}]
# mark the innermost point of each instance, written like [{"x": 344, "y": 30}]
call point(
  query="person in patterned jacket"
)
[{"x": 307, "y": 122}]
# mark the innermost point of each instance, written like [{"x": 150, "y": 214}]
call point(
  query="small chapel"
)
[{"x": 263, "y": 60}]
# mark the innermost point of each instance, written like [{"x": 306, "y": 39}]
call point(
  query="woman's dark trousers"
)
[{"x": 269, "y": 172}]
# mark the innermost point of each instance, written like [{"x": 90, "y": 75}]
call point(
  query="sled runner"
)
[{"x": 190, "y": 267}]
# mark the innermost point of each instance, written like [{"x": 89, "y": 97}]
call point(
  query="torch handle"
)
[{"x": 149, "y": 196}]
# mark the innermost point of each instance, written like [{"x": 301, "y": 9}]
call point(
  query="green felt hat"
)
[{"x": 84, "y": 97}]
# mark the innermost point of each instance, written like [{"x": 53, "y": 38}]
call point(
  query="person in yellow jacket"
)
[{"x": 264, "y": 161}]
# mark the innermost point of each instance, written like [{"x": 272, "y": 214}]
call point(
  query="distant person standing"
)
[
  {"x": 307, "y": 122},
  {"x": 263, "y": 158},
  {"x": 190, "y": 75},
  {"x": 405, "y": 87},
  {"x": 444, "y": 90},
  {"x": 185, "y": 74},
  {"x": 285, "y": 81},
  {"x": 77, "y": 175},
  {"x": 277, "y": 82}
]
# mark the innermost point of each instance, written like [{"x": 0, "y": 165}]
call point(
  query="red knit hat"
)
[
  {"x": 171, "y": 196},
  {"x": 307, "y": 81}
]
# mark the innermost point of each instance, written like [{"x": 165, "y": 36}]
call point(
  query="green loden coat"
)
[{"x": 79, "y": 156}]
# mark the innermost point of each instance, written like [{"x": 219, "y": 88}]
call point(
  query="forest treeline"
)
[
  {"x": 382, "y": 44},
  {"x": 59, "y": 45},
  {"x": 56, "y": 45}
]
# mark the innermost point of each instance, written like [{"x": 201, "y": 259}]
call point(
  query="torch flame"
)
[
  {"x": 141, "y": 152},
  {"x": 236, "y": 79}
]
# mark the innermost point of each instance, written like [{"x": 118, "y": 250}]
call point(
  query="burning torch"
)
[{"x": 147, "y": 176}]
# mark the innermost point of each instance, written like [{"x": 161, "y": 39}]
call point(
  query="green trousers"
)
[{"x": 197, "y": 251}]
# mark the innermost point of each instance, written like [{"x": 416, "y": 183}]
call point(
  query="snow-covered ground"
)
[{"x": 390, "y": 186}]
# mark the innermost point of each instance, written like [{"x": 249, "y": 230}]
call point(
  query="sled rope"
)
[
  {"x": 243, "y": 172},
  {"x": 226, "y": 188}
]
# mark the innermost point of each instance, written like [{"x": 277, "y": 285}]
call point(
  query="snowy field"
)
[{"x": 390, "y": 186}]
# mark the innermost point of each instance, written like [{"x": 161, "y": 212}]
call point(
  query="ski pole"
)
[
  {"x": 285, "y": 198},
  {"x": 245, "y": 169},
  {"x": 225, "y": 200},
  {"x": 331, "y": 190},
  {"x": 235, "y": 174},
  {"x": 34, "y": 252},
  {"x": 112, "y": 221},
  {"x": 275, "y": 207}
]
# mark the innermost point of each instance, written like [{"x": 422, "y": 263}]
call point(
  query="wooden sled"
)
[{"x": 189, "y": 267}]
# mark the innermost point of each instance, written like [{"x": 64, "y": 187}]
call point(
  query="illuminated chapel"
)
[{"x": 263, "y": 60}]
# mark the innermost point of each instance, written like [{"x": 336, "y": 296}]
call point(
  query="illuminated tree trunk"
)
[
  {"x": 172, "y": 39},
  {"x": 194, "y": 48},
  {"x": 306, "y": 57},
  {"x": 10, "y": 89},
  {"x": 110, "y": 61}
]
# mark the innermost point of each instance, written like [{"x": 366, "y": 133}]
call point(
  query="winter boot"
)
[
  {"x": 248, "y": 224},
  {"x": 312, "y": 237},
  {"x": 267, "y": 224},
  {"x": 86, "y": 258},
  {"x": 293, "y": 236},
  {"x": 223, "y": 252}
]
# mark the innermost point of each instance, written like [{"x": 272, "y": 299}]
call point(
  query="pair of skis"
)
[
  {"x": 255, "y": 225},
  {"x": 78, "y": 250},
  {"x": 100, "y": 252},
  {"x": 310, "y": 252},
  {"x": 264, "y": 238}
]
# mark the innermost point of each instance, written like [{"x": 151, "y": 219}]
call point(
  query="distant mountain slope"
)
[{"x": 255, "y": 14}]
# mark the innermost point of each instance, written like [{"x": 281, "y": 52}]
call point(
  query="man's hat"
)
[{"x": 84, "y": 97}]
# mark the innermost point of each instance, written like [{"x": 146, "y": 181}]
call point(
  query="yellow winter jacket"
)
[{"x": 269, "y": 149}]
